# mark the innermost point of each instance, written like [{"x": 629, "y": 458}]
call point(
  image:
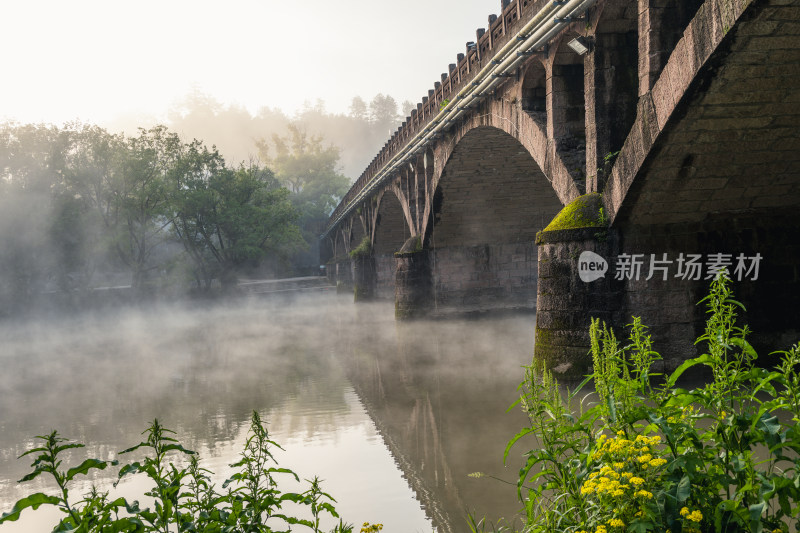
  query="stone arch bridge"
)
[{"x": 661, "y": 135}]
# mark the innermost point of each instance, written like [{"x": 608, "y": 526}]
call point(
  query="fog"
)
[
  {"x": 393, "y": 416},
  {"x": 236, "y": 132}
]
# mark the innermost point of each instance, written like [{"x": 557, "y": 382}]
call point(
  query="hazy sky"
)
[{"x": 98, "y": 59}]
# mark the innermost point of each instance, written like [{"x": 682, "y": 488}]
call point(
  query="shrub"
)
[
  {"x": 641, "y": 453},
  {"x": 184, "y": 499}
]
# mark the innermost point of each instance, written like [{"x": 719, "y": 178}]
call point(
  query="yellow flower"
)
[
  {"x": 659, "y": 461},
  {"x": 695, "y": 516},
  {"x": 618, "y": 492},
  {"x": 685, "y": 512},
  {"x": 644, "y": 494},
  {"x": 644, "y": 458},
  {"x": 616, "y": 522},
  {"x": 636, "y": 481}
]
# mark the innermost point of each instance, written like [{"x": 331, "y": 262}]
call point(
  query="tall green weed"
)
[
  {"x": 641, "y": 453},
  {"x": 184, "y": 498}
]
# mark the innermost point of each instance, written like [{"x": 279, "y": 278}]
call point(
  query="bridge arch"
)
[
  {"x": 612, "y": 86},
  {"x": 489, "y": 201},
  {"x": 391, "y": 231},
  {"x": 720, "y": 176},
  {"x": 566, "y": 121},
  {"x": 533, "y": 92},
  {"x": 664, "y": 23}
]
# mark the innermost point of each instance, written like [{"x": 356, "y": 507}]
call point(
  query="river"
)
[{"x": 392, "y": 416}]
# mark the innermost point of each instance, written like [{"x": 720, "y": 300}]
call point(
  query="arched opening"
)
[
  {"x": 357, "y": 233},
  {"x": 567, "y": 120},
  {"x": 391, "y": 231},
  {"x": 726, "y": 193},
  {"x": 327, "y": 248},
  {"x": 534, "y": 92},
  {"x": 490, "y": 201},
  {"x": 613, "y": 83},
  {"x": 339, "y": 267},
  {"x": 665, "y": 23}
]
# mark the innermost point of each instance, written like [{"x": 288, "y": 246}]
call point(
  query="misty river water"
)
[{"x": 392, "y": 416}]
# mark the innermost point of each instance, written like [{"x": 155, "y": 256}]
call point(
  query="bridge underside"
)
[
  {"x": 491, "y": 200},
  {"x": 724, "y": 177}
]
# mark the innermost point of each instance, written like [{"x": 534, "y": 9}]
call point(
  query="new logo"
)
[{"x": 591, "y": 266}]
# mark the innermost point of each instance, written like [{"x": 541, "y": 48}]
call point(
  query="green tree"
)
[
  {"x": 383, "y": 114},
  {"x": 140, "y": 212},
  {"x": 308, "y": 168},
  {"x": 83, "y": 228},
  {"x": 229, "y": 218},
  {"x": 358, "y": 108},
  {"x": 408, "y": 107},
  {"x": 31, "y": 167}
]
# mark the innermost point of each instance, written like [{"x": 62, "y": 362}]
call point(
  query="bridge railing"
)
[{"x": 478, "y": 55}]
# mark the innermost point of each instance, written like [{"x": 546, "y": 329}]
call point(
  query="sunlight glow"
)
[{"x": 96, "y": 60}]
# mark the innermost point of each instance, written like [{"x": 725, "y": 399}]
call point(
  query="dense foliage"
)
[
  {"x": 307, "y": 166},
  {"x": 81, "y": 207},
  {"x": 183, "y": 497},
  {"x": 642, "y": 453}
]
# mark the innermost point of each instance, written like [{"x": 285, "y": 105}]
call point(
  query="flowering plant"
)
[{"x": 641, "y": 454}]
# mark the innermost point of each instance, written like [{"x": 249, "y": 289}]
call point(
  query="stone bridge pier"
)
[{"x": 666, "y": 148}]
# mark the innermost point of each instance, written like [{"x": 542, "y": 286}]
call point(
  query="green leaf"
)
[
  {"x": 141, "y": 444},
  {"x": 683, "y": 490},
  {"x": 704, "y": 359},
  {"x": 87, "y": 465},
  {"x": 178, "y": 447},
  {"x": 33, "y": 450},
  {"x": 641, "y": 527},
  {"x": 59, "y": 449},
  {"x": 33, "y": 501},
  {"x": 132, "y": 468},
  {"x": 283, "y": 471},
  {"x": 769, "y": 424},
  {"x": 745, "y": 346},
  {"x": 580, "y": 386},
  {"x": 514, "y": 439},
  {"x": 34, "y": 474},
  {"x": 328, "y": 507},
  {"x": 719, "y": 511},
  {"x": 612, "y": 408},
  {"x": 755, "y": 517}
]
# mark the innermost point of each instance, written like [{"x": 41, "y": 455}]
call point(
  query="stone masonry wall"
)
[
  {"x": 483, "y": 278},
  {"x": 385, "y": 276}
]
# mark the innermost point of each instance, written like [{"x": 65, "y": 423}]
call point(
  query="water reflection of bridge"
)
[{"x": 438, "y": 393}]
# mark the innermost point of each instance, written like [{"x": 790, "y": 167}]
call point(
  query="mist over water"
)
[{"x": 392, "y": 416}]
